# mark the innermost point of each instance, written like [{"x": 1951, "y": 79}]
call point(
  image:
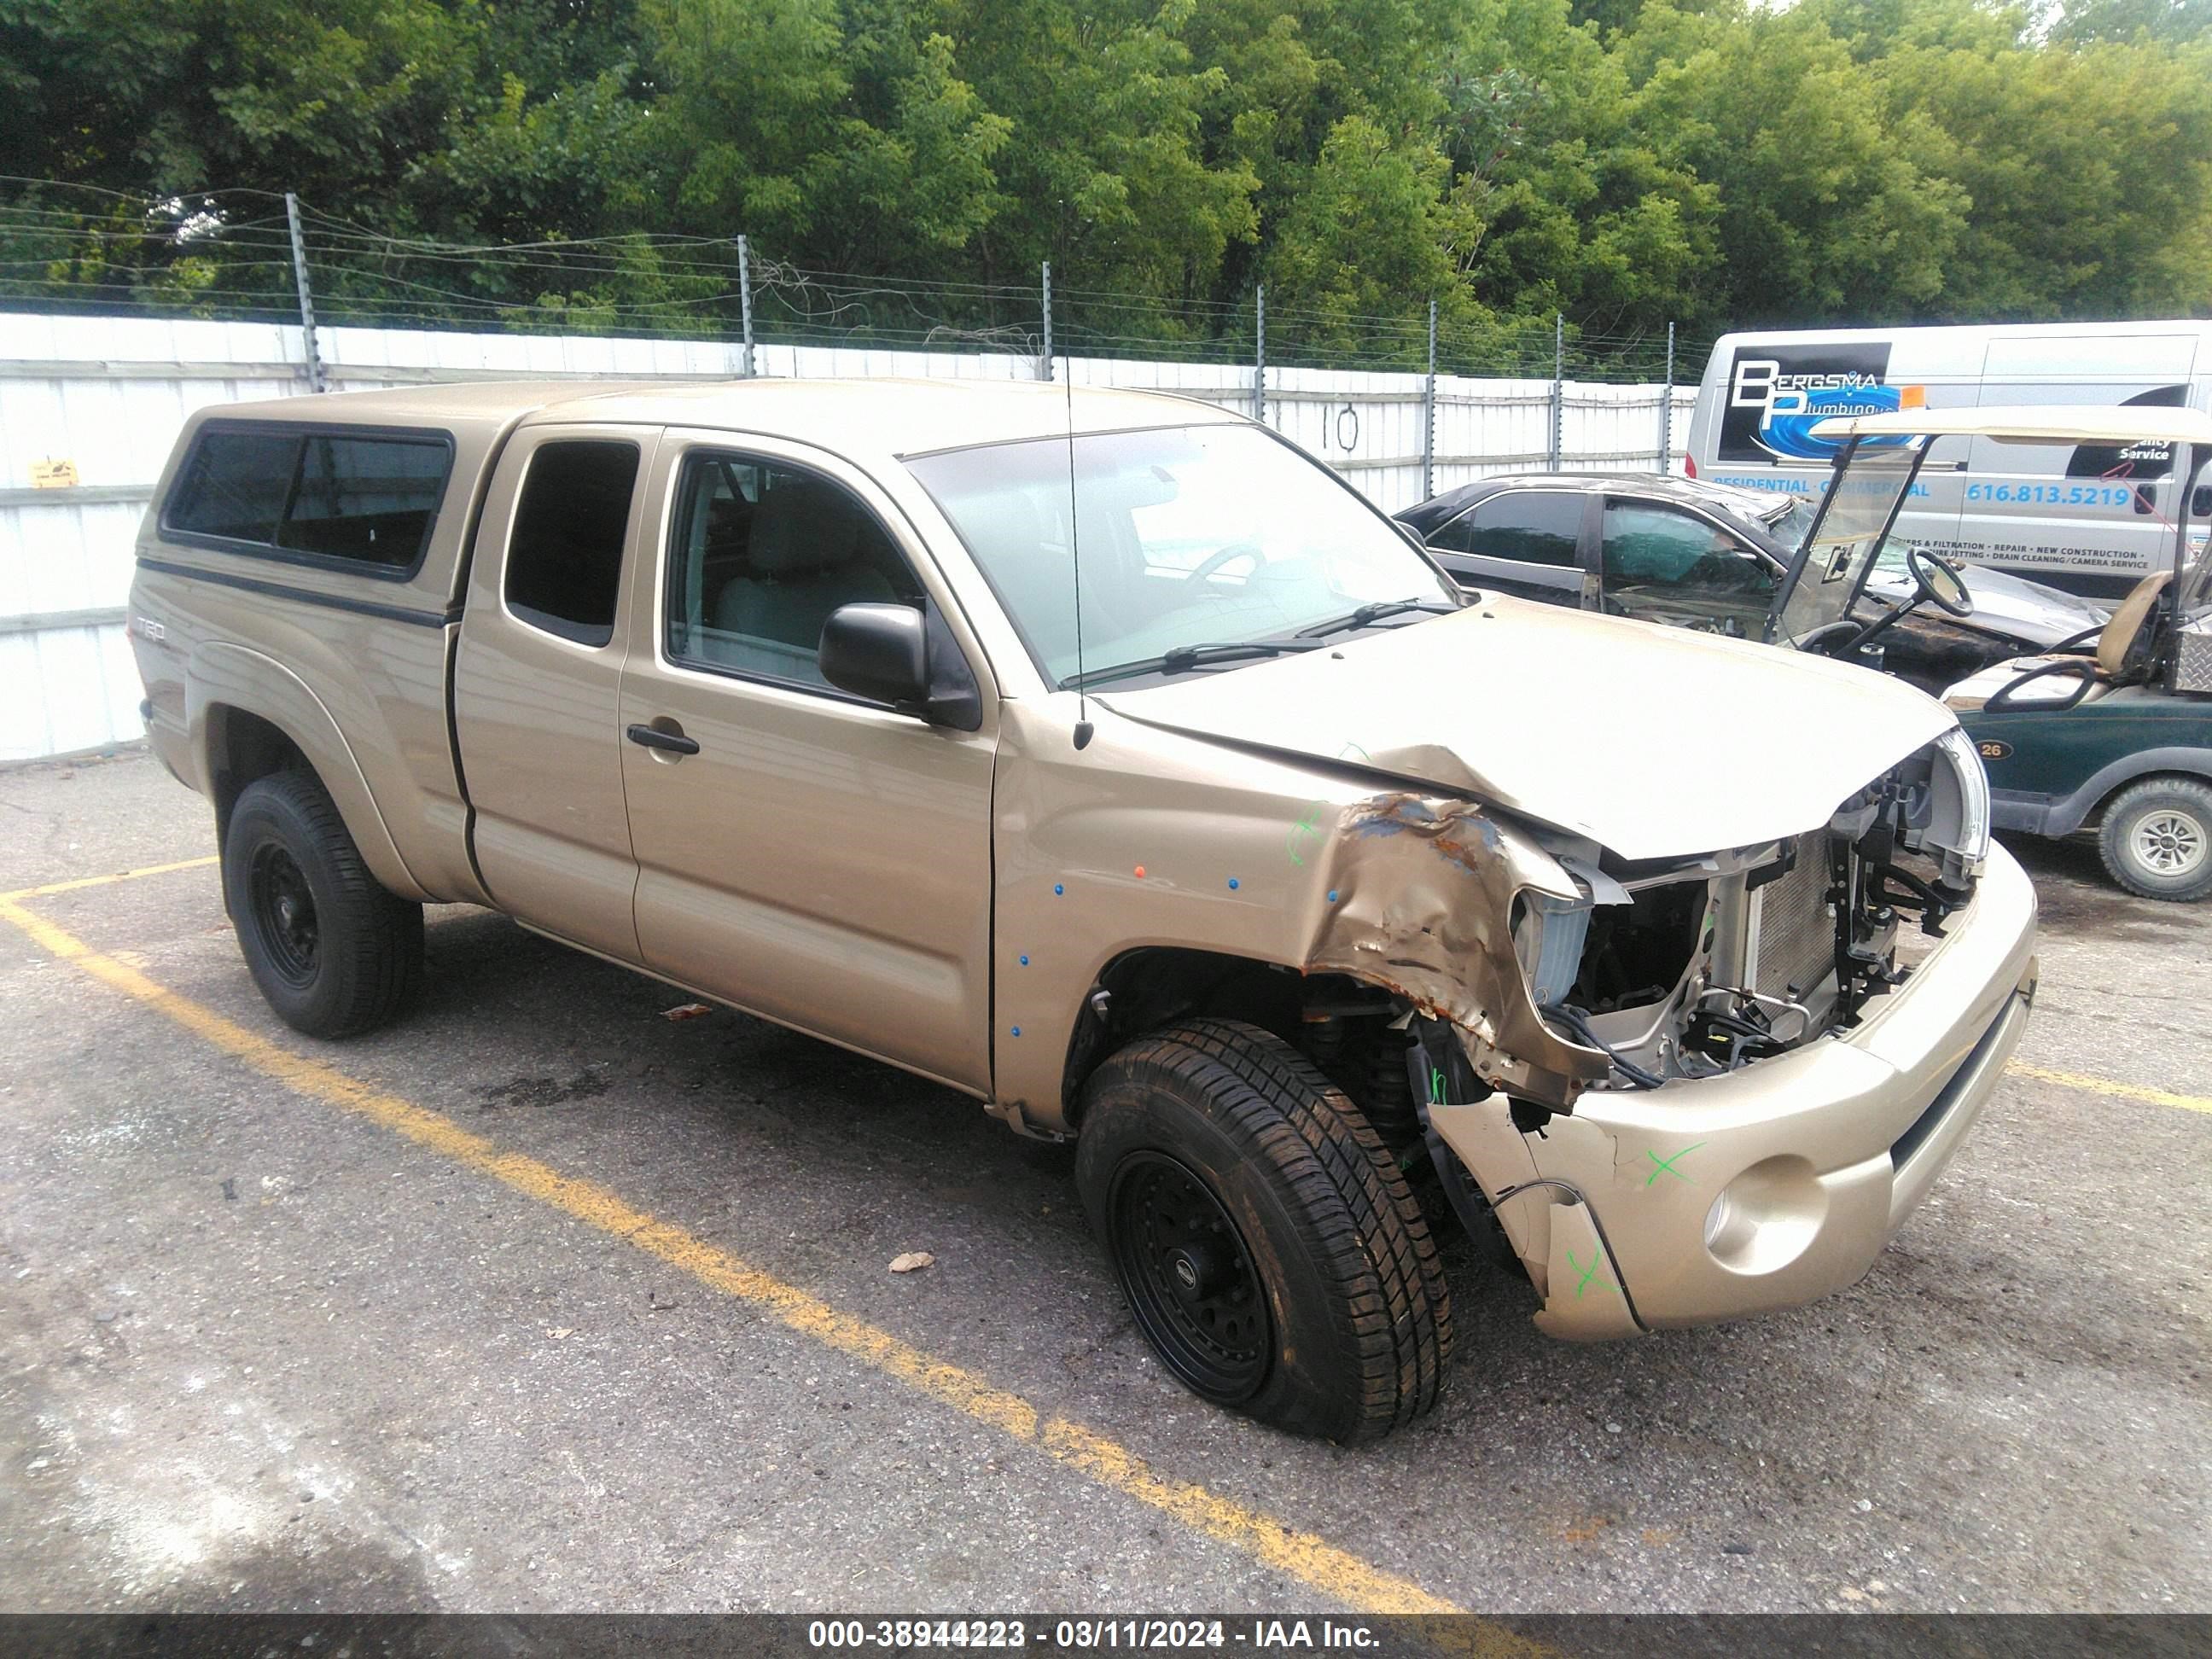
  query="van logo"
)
[
  {"x": 1994, "y": 748},
  {"x": 1777, "y": 393}
]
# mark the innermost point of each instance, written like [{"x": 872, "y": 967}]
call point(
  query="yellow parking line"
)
[
  {"x": 102, "y": 881},
  {"x": 2102, "y": 1085},
  {"x": 1312, "y": 1561}
]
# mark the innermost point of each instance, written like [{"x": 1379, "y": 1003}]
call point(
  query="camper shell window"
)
[{"x": 359, "y": 499}]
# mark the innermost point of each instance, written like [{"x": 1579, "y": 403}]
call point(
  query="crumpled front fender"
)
[{"x": 1423, "y": 906}]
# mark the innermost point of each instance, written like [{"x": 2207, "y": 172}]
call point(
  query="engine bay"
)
[{"x": 1695, "y": 967}]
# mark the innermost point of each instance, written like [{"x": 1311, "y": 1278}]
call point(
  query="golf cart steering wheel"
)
[
  {"x": 1940, "y": 582},
  {"x": 1228, "y": 554}
]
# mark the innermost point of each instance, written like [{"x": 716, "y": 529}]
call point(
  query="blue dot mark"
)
[
  {"x": 1026, "y": 962},
  {"x": 1332, "y": 895},
  {"x": 1232, "y": 883},
  {"x": 1057, "y": 889},
  {"x": 1017, "y": 1030}
]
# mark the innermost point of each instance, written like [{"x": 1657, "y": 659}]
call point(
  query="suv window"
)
[
  {"x": 761, "y": 555},
  {"x": 564, "y": 556},
  {"x": 368, "y": 500},
  {"x": 1535, "y": 526}
]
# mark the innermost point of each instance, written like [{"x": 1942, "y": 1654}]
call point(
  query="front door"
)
[
  {"x": 814, "y": 857},
  {"x": 1663, "y": 563}
]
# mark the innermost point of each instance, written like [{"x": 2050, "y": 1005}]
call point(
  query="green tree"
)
[
  {"x": 1820, "y": 212},
  {"x": 2089, "y": 171},
  {"x": 1369, "y": 238}
]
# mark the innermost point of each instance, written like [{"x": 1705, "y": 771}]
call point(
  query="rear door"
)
[
  {"x": 2092, "y": 518},
  {"x": 537, "y": 682},
  {"x": 808, "y": 855},
  {"x": 1530, "y": 542}
]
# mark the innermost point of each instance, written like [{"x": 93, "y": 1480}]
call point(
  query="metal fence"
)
[{"x": 90, "y": 405}]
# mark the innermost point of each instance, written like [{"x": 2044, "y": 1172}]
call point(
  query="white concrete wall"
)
[{"x": 109, "y": 394}]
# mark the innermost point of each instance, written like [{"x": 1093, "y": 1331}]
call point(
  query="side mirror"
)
[
  {"x": 2200, "y": 502},
  {"x": 880, "y": 652}
]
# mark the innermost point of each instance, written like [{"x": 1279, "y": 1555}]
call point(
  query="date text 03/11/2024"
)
[{"x": 1084, "y": 1635}]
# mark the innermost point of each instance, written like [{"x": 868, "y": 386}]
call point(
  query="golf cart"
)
[{"x": 2114, "y": 726}]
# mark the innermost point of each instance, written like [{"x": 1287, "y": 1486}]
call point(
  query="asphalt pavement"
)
[{"x": 543, "y": 1300}]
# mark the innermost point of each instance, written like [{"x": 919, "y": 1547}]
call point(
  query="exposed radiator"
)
[{"x": 1795, "y": 931}]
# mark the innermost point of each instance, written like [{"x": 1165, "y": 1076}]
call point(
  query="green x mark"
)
[
  {"x": 1666, "y": 1165},
  {"x": 1590, "y": 1272}
]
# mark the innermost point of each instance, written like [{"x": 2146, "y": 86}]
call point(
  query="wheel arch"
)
[
  {"x": 1153, "y": 985},
  {"x": 2072, "y": 811},
  {"x": 250, "y": 717}
]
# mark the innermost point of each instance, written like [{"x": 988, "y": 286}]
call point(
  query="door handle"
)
[{"x": 652, "y": 737}]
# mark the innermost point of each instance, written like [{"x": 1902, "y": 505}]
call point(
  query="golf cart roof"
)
[{"x": 2070, "y": 424}]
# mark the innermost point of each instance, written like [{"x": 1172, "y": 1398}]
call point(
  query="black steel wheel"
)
[
  {"x": 1189, "y": 1278},
  {"x": 1270, "y": 1250},
  {"x": 333, "y": 951},
  {"x": 284, "y": 911}
]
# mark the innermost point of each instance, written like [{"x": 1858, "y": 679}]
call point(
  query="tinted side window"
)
[
  {"x": 364, "y": 499},
  {"x": 1535, "y": 526},
  {"x": 761, "y": 556},
  {"x": 564, "y": 555},
  {"x": 234, "y": 485},
  {"x": 1653, "y": 545},
  {"x": 371, "y": 499}
]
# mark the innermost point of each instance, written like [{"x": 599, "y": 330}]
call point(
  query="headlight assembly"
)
[{"x": 1960, "y": 824}]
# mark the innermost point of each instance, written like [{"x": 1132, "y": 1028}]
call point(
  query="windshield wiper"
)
[
  {"x": 1368, "y": 613},
  {"x": 1181, "y": 658}
]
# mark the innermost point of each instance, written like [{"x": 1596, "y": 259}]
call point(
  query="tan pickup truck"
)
[{"x": 1105, "y": 758}]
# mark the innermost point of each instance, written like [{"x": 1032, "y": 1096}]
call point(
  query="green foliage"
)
[{"x": 585, "y": 164}]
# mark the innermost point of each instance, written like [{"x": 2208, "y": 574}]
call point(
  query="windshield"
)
[
  {"x": 1789, "y": 528},
  {"x": 1200, "y": 535},
  {"x": 1859, "y": 506}
]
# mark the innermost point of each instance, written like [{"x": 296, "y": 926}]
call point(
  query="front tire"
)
[
  {"x": 334, "y": 953},
  {"x": 1271, "y": 1252},
  {"x": 2156, "y": 839}
]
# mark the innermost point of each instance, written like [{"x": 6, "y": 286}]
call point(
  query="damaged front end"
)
[
  {"x": 1554, "y": 992},
  {"x": 1558, "y": 968}
]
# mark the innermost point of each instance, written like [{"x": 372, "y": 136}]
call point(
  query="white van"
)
[{"x": 2092, "y": 518}]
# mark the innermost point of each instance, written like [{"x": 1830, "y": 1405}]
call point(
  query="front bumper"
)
[{"x": 1779, "y": 1184}]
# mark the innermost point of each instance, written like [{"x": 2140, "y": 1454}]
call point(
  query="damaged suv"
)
[{"x": 1108, "y": 759}]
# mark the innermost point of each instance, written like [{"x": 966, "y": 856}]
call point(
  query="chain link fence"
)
[{"x": 115, "y": 324}]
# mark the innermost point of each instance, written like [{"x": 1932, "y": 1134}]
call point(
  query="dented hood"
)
[{"x": 1653, "y": 742}]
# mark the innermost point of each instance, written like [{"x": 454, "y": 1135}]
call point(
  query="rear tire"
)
[
  {"x": 2156, "y": 839},
  {"x": 1271, "y": 1252},
  {"x": 334, "y": 953}
]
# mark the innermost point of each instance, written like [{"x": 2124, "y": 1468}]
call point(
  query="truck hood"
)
[{"x": 1653, "y": 742}]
